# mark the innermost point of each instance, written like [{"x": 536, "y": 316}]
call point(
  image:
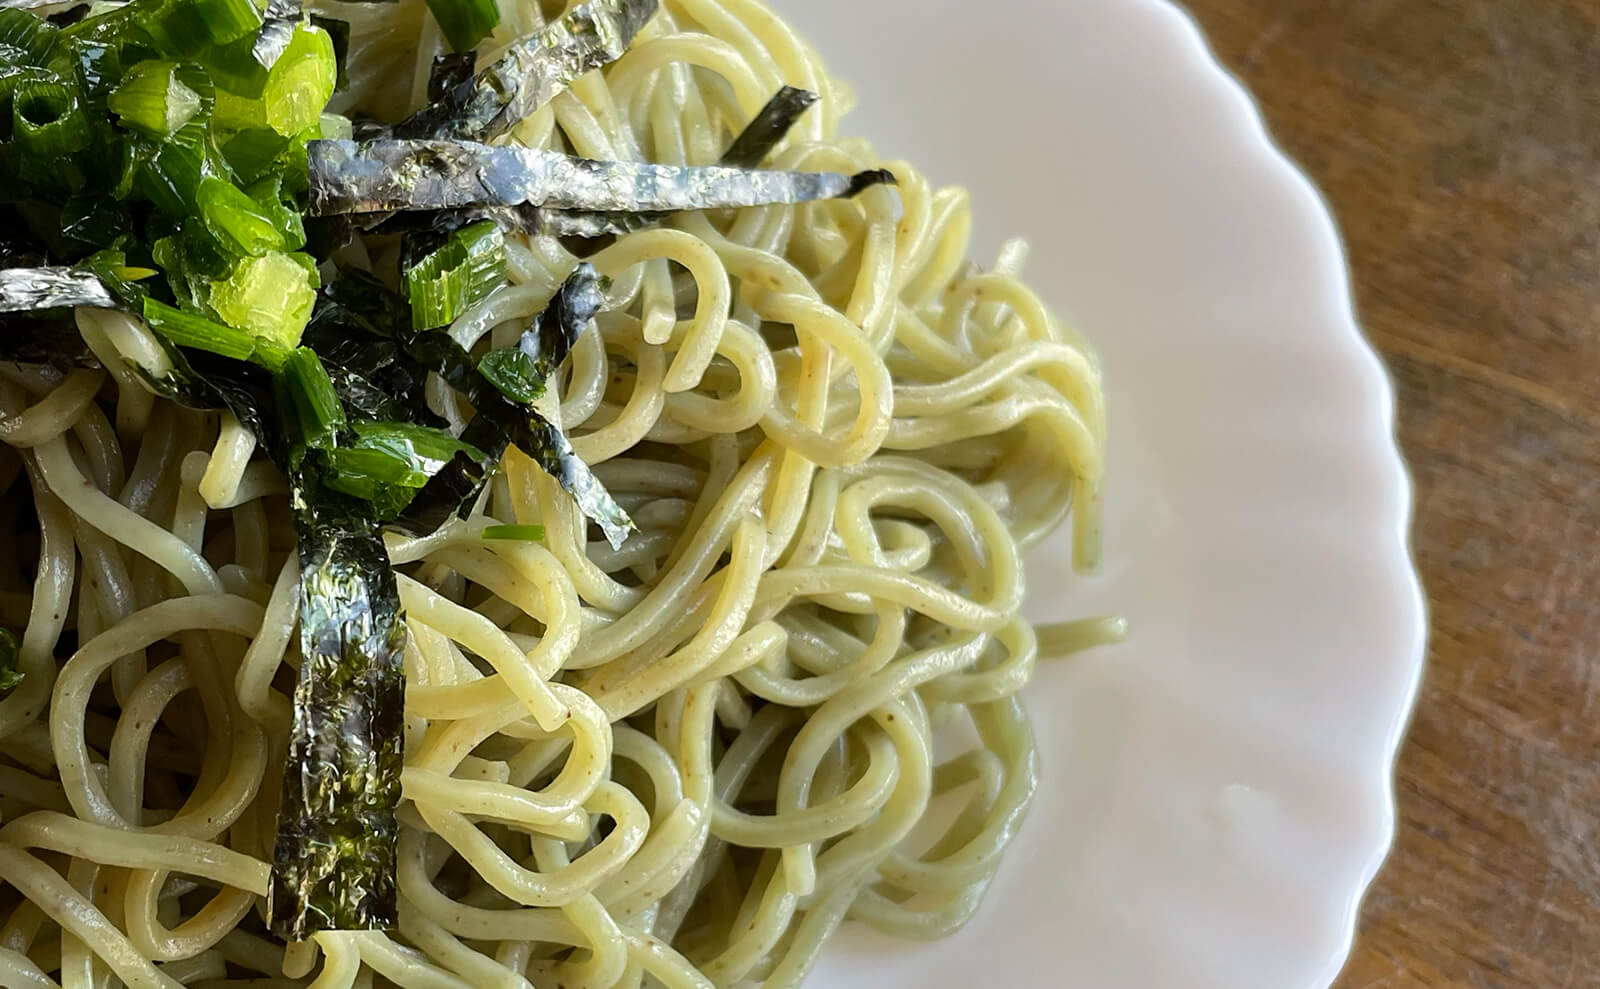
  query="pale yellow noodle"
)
[{"x": 683, "y": 762}]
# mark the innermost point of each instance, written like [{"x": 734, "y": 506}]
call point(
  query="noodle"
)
[{"x": 684, "y": 762}]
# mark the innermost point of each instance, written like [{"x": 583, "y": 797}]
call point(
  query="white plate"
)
[{"x": 1217, "y": 792}]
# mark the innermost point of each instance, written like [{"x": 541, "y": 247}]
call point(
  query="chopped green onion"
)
[
  {"x": 510, "y": 371},
  {"x": 235, "y": 112},
  {"x": 10, "y": 652},
  {"x": 182, "y": 26},
  {"x": 12, "y": 57},
  {"x": 112, "y": 268},
  {"x": 96, "y": 64},
  {"x": 301, "y": 82},
  {"x": 237, "y": 221},
  {"x": 390, "y": 461},
  {"x": 251, "y": 153},
  {"x": 465, "y": 22},
  {"x": 233, "y": 67},
  {"x": 308, "y": 401},
  {"x": 339, "y": 31},
  {"x": 189, "y": 330},
  {"x": 308, "y": 264},
  {"x": 46, "y": 122},
  {"x": 468, "y": 266},
  {"x": 520, "y": 533},
  {"x": 334, "y": 127},
  {"x": 154, "y": 100},
  {"x": 425, "y": 448},
  {"x": 28, "y": 34},
  {"x": 169, "y": 173},
  {"x": 228, "y": 20},
  {"x": 268, "y": 196},
  {"x": 269, "y": 296}
]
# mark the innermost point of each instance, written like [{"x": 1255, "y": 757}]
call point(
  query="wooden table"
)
[{"x": 1458, "y": 141}]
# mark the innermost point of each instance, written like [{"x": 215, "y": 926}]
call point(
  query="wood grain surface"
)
[{"x": 1458, "y": 143}]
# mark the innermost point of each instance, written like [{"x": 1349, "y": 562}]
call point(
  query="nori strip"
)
[
  {"x": 532, "y": 71},
  {"x": 522, "y": 218},
  {"x": 450, "y": 71},
  {"x": 362, "y": 308},
  {"x": 367, "y": 128},
  {"x": 280, "y": 19},
  {"x": 29, "y": 289},
  {"x": 769, "y": 127},
  {"x": 384, "y": 175},
  {"x": 206, "y": 381},
  {"x": 339, "y": 31},
  {"x": 44, "y": 337},
  {"x": 521, "y": 372},
  {"x": 500, "y": 423},
  {"x": 596, "y": 223},
  {"x": 333, "y": 865},
  {"x": 350, "y": 331}
]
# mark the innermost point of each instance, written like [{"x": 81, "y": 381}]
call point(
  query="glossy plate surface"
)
[{"x": 1218, "y": 789}]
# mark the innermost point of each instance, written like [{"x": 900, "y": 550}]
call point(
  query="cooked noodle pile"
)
[{"x": 837, "y": 437}]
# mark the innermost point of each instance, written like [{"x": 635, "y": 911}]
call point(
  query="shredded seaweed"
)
[
  {"x": 532, "y": 71},
  {"x": 387, "y": 175},
  {"x": 32, "y": 289},
  {"x": 48, "y": 337},
  {"x": 277, "y": 29},
  {"x": 502, "y": 423},
  {"x": 333, "y": 864},
  {"x": 522, "y": 372},
  {"x": 449, "y": 71},
  {"x": 360, "y": 307},
  {"x": 768, "y": 128},
  {"x": 764, "y": 132},
  {"x": 200, "y": 380}
]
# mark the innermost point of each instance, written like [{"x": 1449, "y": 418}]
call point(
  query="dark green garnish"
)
[
  {"x": 333, "y": 863},
  {"x": 387, "y": 175},
  {"x": 769, "y": 127},
  {"x": 152, "y": 98},
  {"x": 520, "y": 372},
  {"x": 175, "y": 159},
  {"x": 450, "y": 71},
  {"x": 532, "y": 72},
  {"x": 465, "y": 22},
  {"x": 469, "y": 265}
]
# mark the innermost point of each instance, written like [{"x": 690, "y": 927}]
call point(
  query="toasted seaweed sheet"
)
[
  {"x": 449, "y": 71},
  {"x": 764, "y": 132},
  {"x": 499, "y": 423},
  {"x": 47, "y": 337},
  {"x": 521, "y": 372},
  {"x": 769, "y": 127},
  {"x": 360, "y": 308},
  {"x": 31, "y": 289},
  {"x": 387, "y": 175},
  {"x": 532, "y": 71},
  {"x": 277, "y": 28},
  {"x": 201, "y": 380},
  {"x": 333, "y": 866}
]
